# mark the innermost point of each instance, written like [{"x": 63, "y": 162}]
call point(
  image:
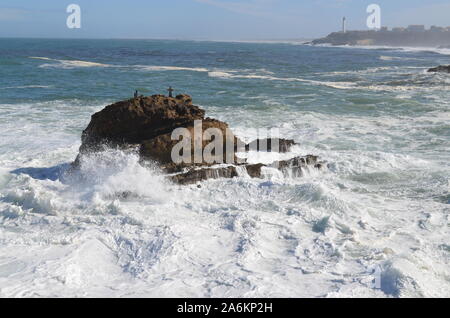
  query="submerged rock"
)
[
  {"x": 148, "y": 124},
  {"x": 440, "y": 69}
]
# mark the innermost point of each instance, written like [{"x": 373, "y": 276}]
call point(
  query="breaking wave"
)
[
  {"x": 170, "y": 68},
  {"x": 27, "y": 86},
  {"x": 68, "y": 64}
]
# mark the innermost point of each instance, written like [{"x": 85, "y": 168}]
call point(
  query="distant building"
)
[
  {"x": 398, "y": 29},
  {"x": 384, "y": 29},
  {"x": 344, "y": 25},
  {"x": 437, "y": 29},
  {"x": 416, "y": 28}
]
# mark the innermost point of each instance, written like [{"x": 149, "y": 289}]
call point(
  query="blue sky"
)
[{"x": 210, "y": 19}]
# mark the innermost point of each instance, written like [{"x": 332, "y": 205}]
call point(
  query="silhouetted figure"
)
[
  {"x": 136, "y": 94},
  {"x": 170, "y": 90}
]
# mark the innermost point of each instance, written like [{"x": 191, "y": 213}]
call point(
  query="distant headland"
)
[{"x": 412, "y": 36}]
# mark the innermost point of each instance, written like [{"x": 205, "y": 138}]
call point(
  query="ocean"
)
[{"x": 375, "y": 223}]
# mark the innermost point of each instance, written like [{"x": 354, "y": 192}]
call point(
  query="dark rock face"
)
[
  {"x": 254, "y": 171},
  {"x": 294, "y": 167},
  {"x": 160, "y": 148},
  {"x": 297, "y": 162},
  {"x": 196, "y": 175},
  {"x": 148, "y": 123},
  {"x": 135, "y": 120},
  {"x": 441, "y": 68},
  {"x": 273, "y": 144}
]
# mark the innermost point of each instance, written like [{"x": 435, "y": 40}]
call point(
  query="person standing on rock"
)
[
  {"x": 136, "y": 94},
  {"x": 170, "y": 90}
]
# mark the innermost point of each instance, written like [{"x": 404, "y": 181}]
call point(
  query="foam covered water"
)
[{"x": 118, "y": 228}]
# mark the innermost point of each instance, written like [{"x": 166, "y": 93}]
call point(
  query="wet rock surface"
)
[
  {"x": 294, "y": 167},
  {"x": 440, "y": 69},
  {"x": 273, "y": 144}
]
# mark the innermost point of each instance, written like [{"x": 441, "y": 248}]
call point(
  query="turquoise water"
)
[{"x": 375, "y": 115}]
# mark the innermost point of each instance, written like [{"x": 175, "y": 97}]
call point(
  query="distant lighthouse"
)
[{"x": 344, "y": 26}]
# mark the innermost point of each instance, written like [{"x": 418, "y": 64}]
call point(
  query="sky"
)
[{"x": 210, "y": 19}]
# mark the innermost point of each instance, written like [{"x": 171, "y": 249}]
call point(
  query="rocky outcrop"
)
[
  {"x": 160, "y": 147},
  {"x": 294, "y": 167},
  {"x": 148, "y": 123},
  {"x": 135, "y": 120},
  {"x": 440, "y": 69},
  {"x": 396, "y": 37},
  {"x": 196, "y": 175}
]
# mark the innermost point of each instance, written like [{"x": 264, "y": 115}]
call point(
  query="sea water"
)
[{"x": 379, "y": 120}]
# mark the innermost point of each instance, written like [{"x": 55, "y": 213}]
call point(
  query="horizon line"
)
[{"x": 300, "y": 39}]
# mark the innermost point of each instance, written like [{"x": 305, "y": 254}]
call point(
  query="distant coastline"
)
[{"x": 412, "y": 36}]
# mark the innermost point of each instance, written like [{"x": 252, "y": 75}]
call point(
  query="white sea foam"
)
[
  {"x": 228, "y": 75},
  {"x": 220, "y": 74},
  {"x": 365, "y": 71},
  {"x": 170, "y": 68},
  {"x": 398, "y": 58},
  {"x": 344, "y": 85},
  {"x": 27, "y": 86},
  {"x": 41, "y": 58},
  {"x": 68, "y": 64},
  {"x": 436, "y": 82},
  {"x": 116, "y": 228}
]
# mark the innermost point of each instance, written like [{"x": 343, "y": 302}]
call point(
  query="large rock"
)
[
  {"x": 160, "y": 147},
  {"x": 147, "y": 123},
  {"x": 135, "y": 120},
  {"x": 441, "y": 69}
]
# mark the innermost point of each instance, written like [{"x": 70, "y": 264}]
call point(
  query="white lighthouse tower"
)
[{"x": 344, "y": 25}]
